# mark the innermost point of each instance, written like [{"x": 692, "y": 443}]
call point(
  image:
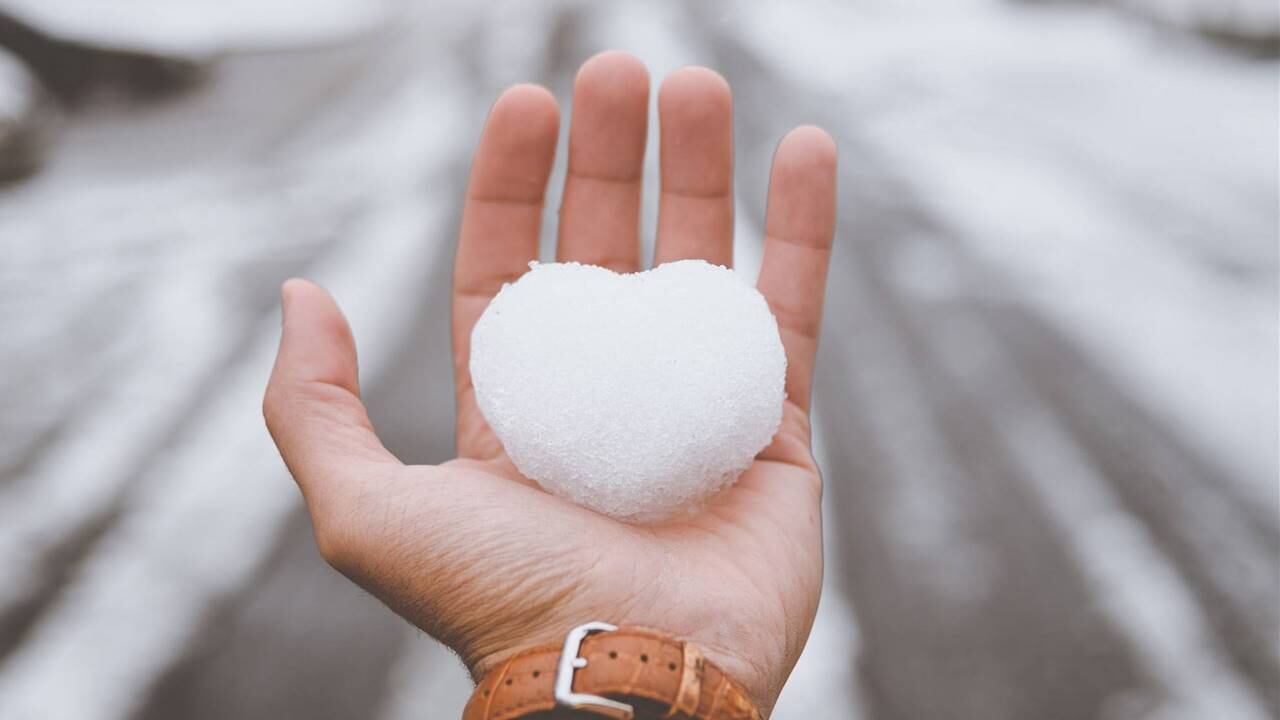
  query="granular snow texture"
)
[{"x": 638, "y": 396}]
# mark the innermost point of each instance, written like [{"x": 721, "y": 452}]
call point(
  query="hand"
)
[{"x": 479, "y": 556}]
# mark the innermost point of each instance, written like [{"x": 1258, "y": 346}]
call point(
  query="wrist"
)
[{"x": 605, "y": 670}]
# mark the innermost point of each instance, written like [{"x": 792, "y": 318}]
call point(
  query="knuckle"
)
[
  {"x": 272, "y": 405},
  {"x": 345, "y": 521},
  {"x": 334, "y": 535},
  {"x": 333, "y": 542}
]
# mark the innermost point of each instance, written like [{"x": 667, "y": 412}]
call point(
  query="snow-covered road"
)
[{"x": 1047, "y": 406}]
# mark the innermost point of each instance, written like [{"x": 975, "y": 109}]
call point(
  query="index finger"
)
[{"x": 501, "y": 219}]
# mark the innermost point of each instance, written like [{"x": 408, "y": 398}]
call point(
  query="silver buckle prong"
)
[{"x": 570, "y": 662}]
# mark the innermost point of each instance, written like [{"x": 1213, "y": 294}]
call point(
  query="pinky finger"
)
[{"x": 799, "y": 228}]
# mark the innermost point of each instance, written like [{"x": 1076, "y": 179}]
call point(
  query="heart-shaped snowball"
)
[{"x": 635, "y": 395}]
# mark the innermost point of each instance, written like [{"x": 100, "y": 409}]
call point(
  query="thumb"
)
[{"x": 312, "y": 403}]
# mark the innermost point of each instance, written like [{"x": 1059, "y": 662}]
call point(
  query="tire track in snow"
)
[{"x": 142, "y": 592}]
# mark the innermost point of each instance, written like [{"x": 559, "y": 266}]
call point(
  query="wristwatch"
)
[{"x": 602, "y": 671}]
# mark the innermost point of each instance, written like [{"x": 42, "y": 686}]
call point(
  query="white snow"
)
[
  {"x": 637, "y": 395},
  {"x": 143, "y": 591},
  {"x": 1243, "y": 18},
  {"x": 1128, "y": 191},
  {"x": 200, "y": 27}
]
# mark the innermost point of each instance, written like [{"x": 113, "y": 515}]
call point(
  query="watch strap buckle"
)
[{"x": 570, "y": 662}]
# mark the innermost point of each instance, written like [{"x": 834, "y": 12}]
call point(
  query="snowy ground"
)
[
  {"x": 1047, "y": 409},
  {"x": 1138, "y": 229},
  {"x": 202, "y": 27}
]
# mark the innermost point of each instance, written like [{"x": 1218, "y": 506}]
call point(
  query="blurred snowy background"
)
[{"x": 1047, "y": 404}]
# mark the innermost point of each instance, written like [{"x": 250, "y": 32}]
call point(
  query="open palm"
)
[{"x": 476, "y": 554}]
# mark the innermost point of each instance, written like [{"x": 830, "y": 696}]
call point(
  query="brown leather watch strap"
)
[{"x": 659, "y": 676}]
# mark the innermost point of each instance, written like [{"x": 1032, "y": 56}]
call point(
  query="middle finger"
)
[{"x": 600, "y": 213}]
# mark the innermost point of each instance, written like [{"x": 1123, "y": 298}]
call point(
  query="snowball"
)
[{"x": 638, "y": 396}]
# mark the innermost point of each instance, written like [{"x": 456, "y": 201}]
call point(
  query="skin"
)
[{"x": 480, "y": 557}]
